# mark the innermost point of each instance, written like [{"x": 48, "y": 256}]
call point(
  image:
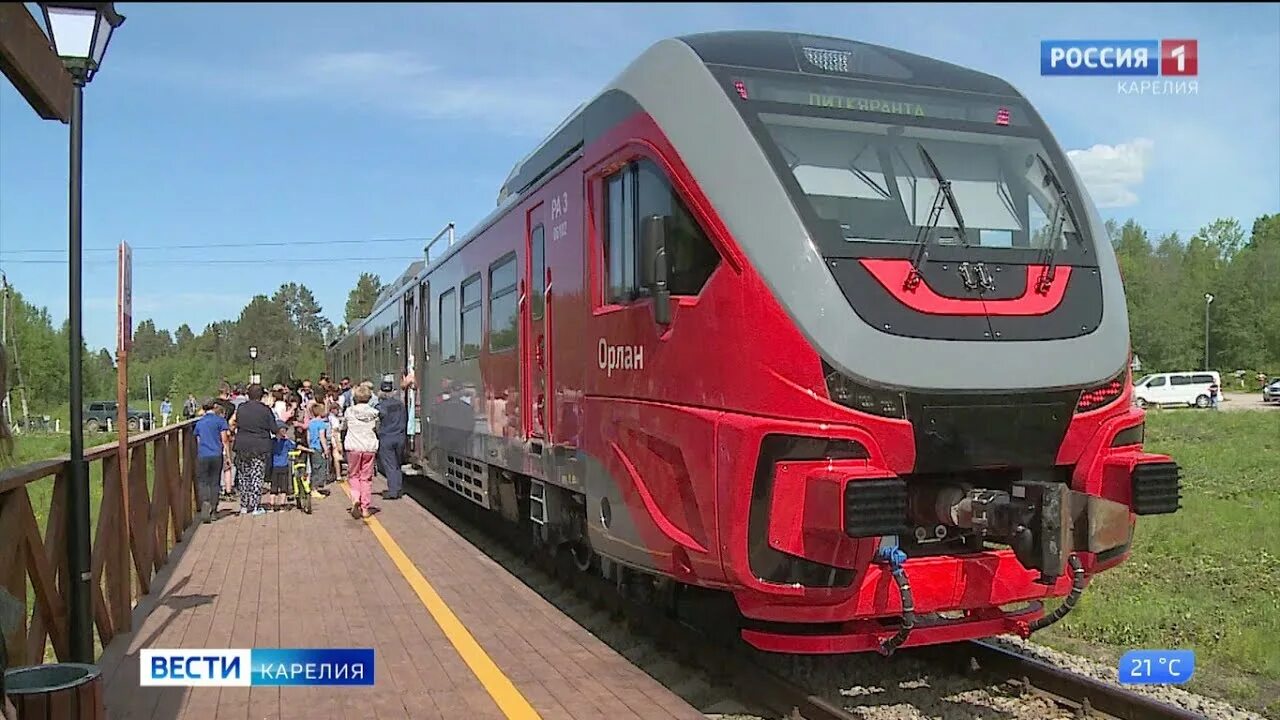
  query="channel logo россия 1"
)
[{"x": 1169, "y": 58}]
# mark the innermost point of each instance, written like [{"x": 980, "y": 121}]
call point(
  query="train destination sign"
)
[{"x": 864, "y": 98}]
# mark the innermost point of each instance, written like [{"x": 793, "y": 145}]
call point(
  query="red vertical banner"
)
[{"x": 124, "y": 339}]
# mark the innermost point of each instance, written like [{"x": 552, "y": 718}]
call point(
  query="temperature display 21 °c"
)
[{"x": 1157, "y": 667}]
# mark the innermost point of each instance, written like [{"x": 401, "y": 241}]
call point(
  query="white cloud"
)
[
  {"x": 400, "y": 82},
  {"x": 1112, "y": 172}
]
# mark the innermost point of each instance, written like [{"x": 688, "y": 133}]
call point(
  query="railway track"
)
[
  {"x": 766, "y": 686},
  {"x": 1074, "y": 691}
]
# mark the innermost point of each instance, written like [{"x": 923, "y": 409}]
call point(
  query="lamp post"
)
[
  {"x": 1207, "y": 300},
  {"x": 253, "y": 369},
  {"x": 80, "y": 32}
]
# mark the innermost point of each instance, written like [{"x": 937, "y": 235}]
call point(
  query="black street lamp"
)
[
  {"x": 253, "y": 370},
  {"x": 79, "y": 32}
]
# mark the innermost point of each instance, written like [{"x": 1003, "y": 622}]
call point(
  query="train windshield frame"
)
[{"x": 848, "y": 153}]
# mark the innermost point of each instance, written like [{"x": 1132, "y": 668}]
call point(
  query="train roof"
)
[
  {"x": 770, "y": 50},
  {"x": 832, "y": 56},
  {"x": 392, "y": 289},
  {"x": 802, "y": 53},
  {"x": 389, "y": 292}
]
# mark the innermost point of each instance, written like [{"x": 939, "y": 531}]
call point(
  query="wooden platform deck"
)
[{"x": 454, "y": 634}]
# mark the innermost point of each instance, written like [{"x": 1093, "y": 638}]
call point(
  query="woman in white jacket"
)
[{"x": 360, "y": 448}]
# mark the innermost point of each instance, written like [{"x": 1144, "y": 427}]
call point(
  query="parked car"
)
[
  {"x": 1181, "y": 388},
  {"x": 96, "y": 417},
  {"x": 1271, "y": 391}
]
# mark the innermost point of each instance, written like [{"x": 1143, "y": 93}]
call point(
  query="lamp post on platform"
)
[
  {"x": 253, "y": 368},
  {"x": 80, "y": 32}
]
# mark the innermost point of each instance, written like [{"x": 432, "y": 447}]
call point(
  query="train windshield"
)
[{"x": 852, "y": 158}]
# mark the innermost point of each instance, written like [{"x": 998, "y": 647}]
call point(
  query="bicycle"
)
[{"x": 301, "y": 478}]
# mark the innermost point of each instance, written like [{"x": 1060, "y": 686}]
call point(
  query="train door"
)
[
  {"x": 422, "y": 357},
  {"x": 537, "y": 409},
  {"x": 409, "y": 354}
]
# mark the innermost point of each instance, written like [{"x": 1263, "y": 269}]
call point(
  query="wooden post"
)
[{"x": 124, "y": 339}]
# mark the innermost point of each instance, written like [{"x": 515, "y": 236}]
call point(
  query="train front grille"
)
[
  {"x": 875, "y": 507},
  {"x": 1156, "y": 488}
]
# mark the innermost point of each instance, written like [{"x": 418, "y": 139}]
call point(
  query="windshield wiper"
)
[
  {"x": 1061, "y": 210},
  {"x": 944, "y": 194}
]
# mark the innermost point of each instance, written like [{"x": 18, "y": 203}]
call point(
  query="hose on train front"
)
[
  {"x": 894, "y": 558},
  {"x": 1077, "y": 589}
]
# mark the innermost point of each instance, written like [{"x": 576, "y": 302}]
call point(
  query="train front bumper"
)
[{"x": 805, "y": 585}]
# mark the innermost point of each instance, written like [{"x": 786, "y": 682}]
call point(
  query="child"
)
[
  {"x": 360, "y": 445},
  {"x": 318, "y": 441},
  {"x": 281, "y": 478}
]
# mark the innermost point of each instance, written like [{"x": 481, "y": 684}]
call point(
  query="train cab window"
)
[
  {"x": 472, "y": 299},
  {"x": 620, "y": 238},
  {"x": 448, "y": 326},
  {"x": 539, "y": 266},
  {"x": 637, "y": 191},
  {"x": 502, "y": 304}
]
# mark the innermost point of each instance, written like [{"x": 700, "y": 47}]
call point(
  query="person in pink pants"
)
[{"x": 361, "y": 446}]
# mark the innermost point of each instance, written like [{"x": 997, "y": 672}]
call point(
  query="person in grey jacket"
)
[{"x": 392, "y": 428}]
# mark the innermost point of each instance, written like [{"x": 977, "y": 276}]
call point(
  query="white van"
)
[{"x": 1182, "y": 388}]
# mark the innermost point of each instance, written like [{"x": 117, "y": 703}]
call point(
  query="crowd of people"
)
[
  {"x": 248, "y": 438},
  {"x": 242, "y": 435}
]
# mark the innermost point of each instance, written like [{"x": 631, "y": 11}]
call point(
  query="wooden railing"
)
[{"x": 33, "y": 565}]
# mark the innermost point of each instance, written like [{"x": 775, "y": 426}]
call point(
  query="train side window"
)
[
  {"x": 448, "y": 326},
  {"x": 638, "y": 191},
  {"x": 502, "y": 304},
  {"x": 472, "y": 299},
  {"x": 539, "y": 265}
]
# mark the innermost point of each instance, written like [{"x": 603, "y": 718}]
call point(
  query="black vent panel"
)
[
  {"x": 875, "y": 507},
  {"x": 1157, "y": 488}
]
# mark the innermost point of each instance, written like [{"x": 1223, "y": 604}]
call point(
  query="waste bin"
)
[{"x": 62, "y": 690}]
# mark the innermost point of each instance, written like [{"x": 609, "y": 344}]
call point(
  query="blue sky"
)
[{"x": 216, "y": 125}]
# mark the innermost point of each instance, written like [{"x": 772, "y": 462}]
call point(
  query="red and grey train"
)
[{"x": 828, "y": 326}]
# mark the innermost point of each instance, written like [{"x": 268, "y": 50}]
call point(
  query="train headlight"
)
[
  {"x": 1100, "y": 396},
  {"x": 884, "y": 403}
]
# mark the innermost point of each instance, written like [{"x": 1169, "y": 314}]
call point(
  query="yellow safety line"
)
[{"x": 499, "y": 686}]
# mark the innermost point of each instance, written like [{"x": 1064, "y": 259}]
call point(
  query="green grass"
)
[
  {"x": 1206, "y": 578},
  {"x": 33, "y": 447}
]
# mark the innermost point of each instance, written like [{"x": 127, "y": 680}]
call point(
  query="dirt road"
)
[
  {"x": 1246, "y": 401},
  {"x": 1241, "y": 401}
]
